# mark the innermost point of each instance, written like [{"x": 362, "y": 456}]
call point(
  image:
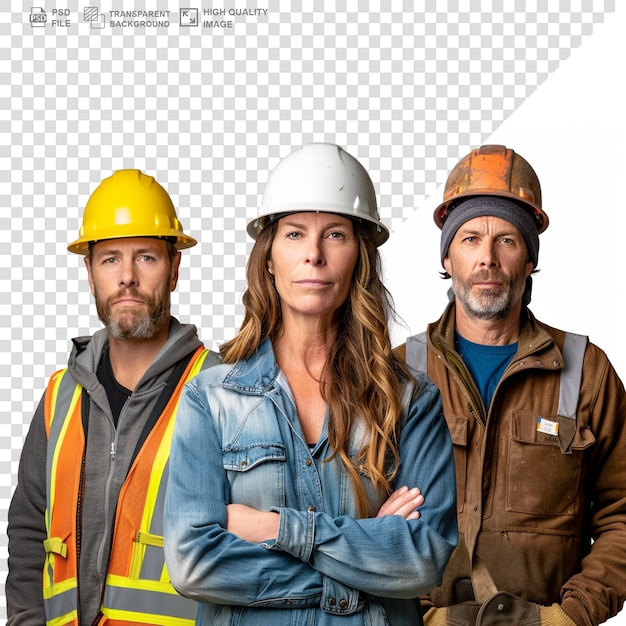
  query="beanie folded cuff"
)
[{"x": 496, "y": 206}]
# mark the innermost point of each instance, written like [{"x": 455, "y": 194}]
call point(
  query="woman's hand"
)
[
  {"x": 404, "y": 502},
  {"x": 250, "y": 524}
]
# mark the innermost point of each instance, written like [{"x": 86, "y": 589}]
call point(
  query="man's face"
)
[
  {"x": 131, "y": 280},
  {"x": 488, "y": 262}
]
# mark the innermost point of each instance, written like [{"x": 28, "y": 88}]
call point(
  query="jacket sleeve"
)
[
  {"x": 387, "y": 556},
  {"x": 205, "y": 562},
  {"x": 390, "y": 556},
  {"x": 598, "y": 591},
  {"x": 27, "y": 531}
]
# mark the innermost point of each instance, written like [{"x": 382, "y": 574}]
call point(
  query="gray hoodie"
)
[{"x": 109, "y": 451}]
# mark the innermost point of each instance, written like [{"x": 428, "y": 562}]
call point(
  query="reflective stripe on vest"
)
[
  {"x": 416, "y": 352},
  {"x": 573, "y": 351},
  {"x": 137, "y": 588},
  {"x": 63, "y": 474}
]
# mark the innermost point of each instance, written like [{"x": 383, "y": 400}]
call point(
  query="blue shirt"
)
[
  {"x": 238, "y": 440},
  {"x": 485, "y": 363}
]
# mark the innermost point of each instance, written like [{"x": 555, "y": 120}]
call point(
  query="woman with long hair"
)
[{"x": 311, "y": 473}]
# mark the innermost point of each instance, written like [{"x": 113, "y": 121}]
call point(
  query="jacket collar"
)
[
  {"x": 533, "y": 336},
  {"x": 87, "y": 352},
  {"x": 255, "y": 375}
]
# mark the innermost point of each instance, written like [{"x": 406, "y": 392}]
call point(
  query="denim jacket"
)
[{"x": 238, "y": 440}]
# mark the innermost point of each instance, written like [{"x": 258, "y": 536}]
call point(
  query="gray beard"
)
[
  {"x": 495, "y": 304},
  {"x": 137, "y": 326},
  {"x": 144, "y": 328},
  {"x": 488, "y": 308}
]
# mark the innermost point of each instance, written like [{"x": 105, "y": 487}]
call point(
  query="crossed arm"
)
[{"x": 257, "y": 526}]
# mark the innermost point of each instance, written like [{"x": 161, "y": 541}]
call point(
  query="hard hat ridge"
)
[
  {"x": 129, "y": 203},
  {"x": 493, "y": 170},
  {"x": 320, "y": 177}
]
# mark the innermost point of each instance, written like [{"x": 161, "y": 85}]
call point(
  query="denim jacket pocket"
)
[
  {"x": 542, "y": 480},
  {"x": 256, "y": 474}
]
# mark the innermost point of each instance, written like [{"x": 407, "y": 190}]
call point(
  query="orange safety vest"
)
[{"x": 138, "y": 588}]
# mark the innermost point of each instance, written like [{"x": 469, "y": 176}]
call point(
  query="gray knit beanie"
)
[{"x": 496, "y": 206}]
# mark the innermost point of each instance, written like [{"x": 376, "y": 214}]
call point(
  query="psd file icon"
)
[{"x": 38, "y": 17}]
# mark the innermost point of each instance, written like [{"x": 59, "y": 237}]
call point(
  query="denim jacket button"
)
[
  {"x": 311, "y": 509},
  {"x": 332, "y": 601},
  {"x": 343, "y": 603},
  {"x": 308, "y": 462}
]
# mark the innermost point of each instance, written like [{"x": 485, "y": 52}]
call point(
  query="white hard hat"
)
[{"x": 320, "y": 177}]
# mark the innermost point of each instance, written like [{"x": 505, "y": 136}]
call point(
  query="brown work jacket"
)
[{"x": 549, "y": 526}]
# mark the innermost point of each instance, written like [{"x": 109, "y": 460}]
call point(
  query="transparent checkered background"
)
[{"x": 209, "y": 112}]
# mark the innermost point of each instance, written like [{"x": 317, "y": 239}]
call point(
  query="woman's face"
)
[{"x": 312, "y": 259}]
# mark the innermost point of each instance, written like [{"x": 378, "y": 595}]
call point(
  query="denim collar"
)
[{"x": 255, "y": 375}]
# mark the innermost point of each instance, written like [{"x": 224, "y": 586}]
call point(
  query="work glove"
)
[
  {"x": 458, "y": 614},
  {"x": 554, "y": 615},
  {"x": 436, "y": 616}
]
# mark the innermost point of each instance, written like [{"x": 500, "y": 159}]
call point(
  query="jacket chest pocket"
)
[
  {"x": 256, "y": 474},
  {"x": 541, "y": 479}
]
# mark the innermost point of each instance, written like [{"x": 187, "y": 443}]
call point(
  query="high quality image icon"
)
[{"x": 189, "y": 17}]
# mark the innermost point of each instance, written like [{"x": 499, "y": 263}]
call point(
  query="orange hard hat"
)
[{"x": 493, "y": 170}]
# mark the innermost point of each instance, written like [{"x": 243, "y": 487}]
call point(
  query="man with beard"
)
[
  {"x": 536, "y": 417},
  {"x": 85, "y": 521}
]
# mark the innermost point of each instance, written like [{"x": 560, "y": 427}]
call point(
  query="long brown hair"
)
[{"x": 362, "y": 379}]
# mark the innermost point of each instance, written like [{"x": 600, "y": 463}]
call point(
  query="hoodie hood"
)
[{"x": 87, "y": 352}]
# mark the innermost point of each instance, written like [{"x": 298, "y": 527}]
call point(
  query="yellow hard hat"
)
[
  {"x": 129, "y": 204},
  {"x": 493, "y": 170}
]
